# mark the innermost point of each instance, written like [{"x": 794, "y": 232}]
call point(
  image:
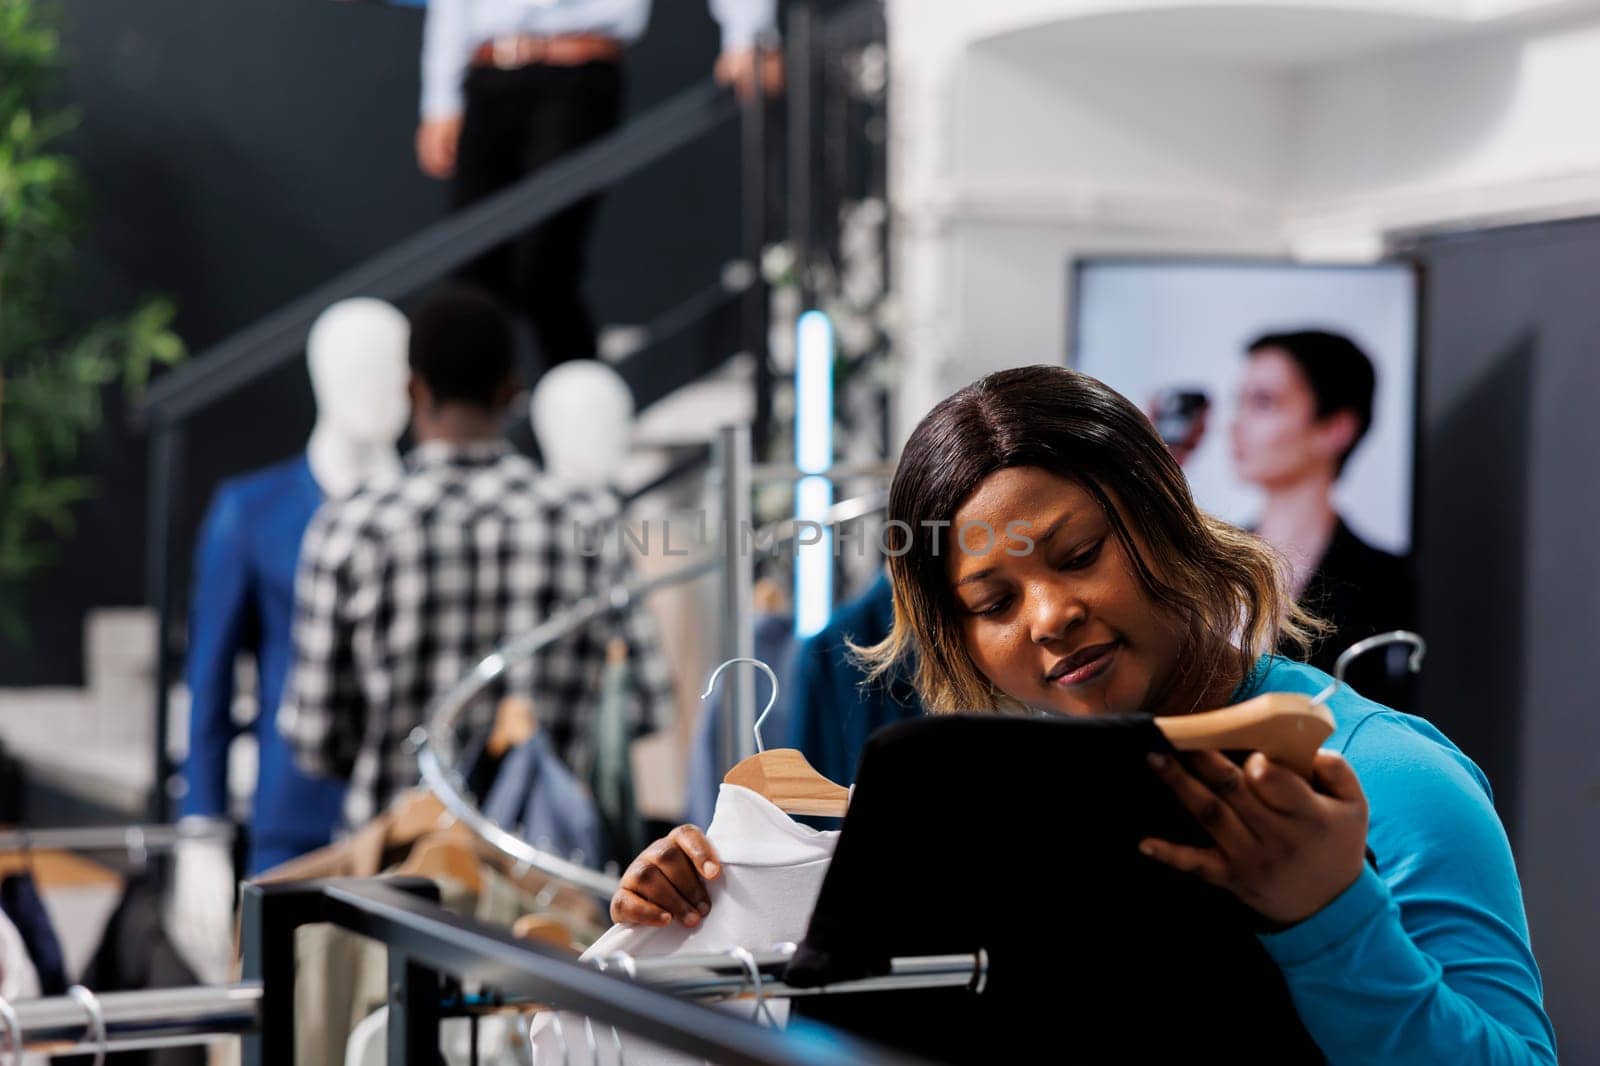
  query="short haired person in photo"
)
[
  {"x": 1305, "y": 405},
  {"x": 509, "y": 86},
  {"x": 1129, "y": 599},
  {"x": 404, "y": 586}
]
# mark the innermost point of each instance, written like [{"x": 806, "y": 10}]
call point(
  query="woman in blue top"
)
[{"x": 1050, "y": 557}]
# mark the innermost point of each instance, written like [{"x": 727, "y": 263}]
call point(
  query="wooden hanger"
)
[
  {"x": 412, "y": 816},
  {"x": 544, "y": 929},
  {"x": 793, "y": 785},
  {"x": 516, "y": 720},
  {"x": 1286, "y": 727},
  {"x": 445, "y": 855},
  {"x": 782, "y": 775}
]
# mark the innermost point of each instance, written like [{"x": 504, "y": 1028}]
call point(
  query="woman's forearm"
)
[{"x": 1367, "y": 992}]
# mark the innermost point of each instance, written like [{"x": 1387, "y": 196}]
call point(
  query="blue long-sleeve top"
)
[
  {"x": 243, "y": 600},
  {"x": 1427, "y": 957}
]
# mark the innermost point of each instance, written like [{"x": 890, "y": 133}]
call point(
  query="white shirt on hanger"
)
[{"x": 772, "y": 870}]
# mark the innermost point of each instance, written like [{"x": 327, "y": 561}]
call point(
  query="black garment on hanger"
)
[
  {"x": 1020, "y": 837},
  {"x": 19, "y": 898},
  {"x": 135, "y": 954}
]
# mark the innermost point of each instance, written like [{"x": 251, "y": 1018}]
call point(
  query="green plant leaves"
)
[{"x": 52, "y": 377}]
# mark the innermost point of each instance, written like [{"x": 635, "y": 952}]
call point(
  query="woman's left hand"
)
[{"x": 1283, "y": 847}]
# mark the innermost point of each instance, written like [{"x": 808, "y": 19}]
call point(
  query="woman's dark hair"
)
[
  {"x": 1224, "y": 587},
  {"x": 462, "y": 346},
  {"x": 1336, "y": 370}
]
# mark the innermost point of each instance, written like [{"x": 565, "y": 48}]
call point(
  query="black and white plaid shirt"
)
[{"x": 403, "y": 587}]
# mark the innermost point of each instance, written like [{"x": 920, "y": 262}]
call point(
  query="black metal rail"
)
[
  {"x": 427, "y": 944},
  {"x": 440, "y": 249}
]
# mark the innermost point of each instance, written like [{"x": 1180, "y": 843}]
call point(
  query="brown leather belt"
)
[{"x": 562, "y": 50}]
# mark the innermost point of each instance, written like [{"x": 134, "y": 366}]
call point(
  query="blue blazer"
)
[{"x": 244, "y": 601}]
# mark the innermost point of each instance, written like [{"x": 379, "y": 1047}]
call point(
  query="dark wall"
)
[
  {"x": 1510, "y": 576},
  {"x": 241, "y": 152}
]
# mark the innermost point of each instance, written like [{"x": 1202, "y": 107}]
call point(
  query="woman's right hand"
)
[{"x": 668, "y": 880}]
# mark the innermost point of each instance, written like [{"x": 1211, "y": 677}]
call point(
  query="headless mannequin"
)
[
  {"x": 243, "y": 601},
  {"x": 356, "y": 353},
  {"x": 582, "y": 414}
]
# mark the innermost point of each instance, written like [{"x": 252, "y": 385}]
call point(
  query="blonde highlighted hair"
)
[{"x": 1227, "y": 589}]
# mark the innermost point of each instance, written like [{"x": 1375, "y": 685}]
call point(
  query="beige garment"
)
[{"x": 340, "y": 977}]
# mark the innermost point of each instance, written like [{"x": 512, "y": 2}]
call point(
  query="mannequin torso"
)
[{"x": 245, "y": 574}]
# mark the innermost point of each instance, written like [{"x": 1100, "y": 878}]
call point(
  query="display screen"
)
[
  {"x": 1288, "y": 394},
  {"x": 1175, "y": 337}
]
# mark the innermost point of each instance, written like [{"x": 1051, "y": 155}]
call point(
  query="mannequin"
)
[
  {"x": 244, "y": 601},
  {"x": 582, "y": 414}
]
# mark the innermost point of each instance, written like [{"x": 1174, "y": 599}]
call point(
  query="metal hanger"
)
[
  {"x": 97, "y": 1020},
  {"x": 8, "y": 1014},
  {"x": 138, "y": 854},
  {"x": 625, "y": 960},
  {"x": 1419, "y": 648},
  {"x": 588, "y": 1038},
  {"x": 772, "y": 696},
  {"x": 748, "y": 961},
  {"x": 782, "y": 775},
  {"x": 561, "y": 1038}
]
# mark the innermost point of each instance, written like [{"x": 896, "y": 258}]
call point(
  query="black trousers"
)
[{"x": 515, "y": 122}]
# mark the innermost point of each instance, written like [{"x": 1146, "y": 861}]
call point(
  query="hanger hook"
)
[
  {"x": 134, "y": 840},
  {"x": 97, "y": 1020},
  {"x": 8, "y": 1014},
  {"x": 1419, "y": 648},
  {"x": 748, "y": 961},
  {"x": 561, "y": 1037},
  {"x": 588, "y": 1038},
  {"x": 628, "y": 967},
  {"x": 771, "y": 700}
]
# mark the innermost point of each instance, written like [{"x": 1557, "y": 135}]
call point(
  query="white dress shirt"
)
[
  {"x": 454, "y": 29},
  {"x": 772, "y": 869}
]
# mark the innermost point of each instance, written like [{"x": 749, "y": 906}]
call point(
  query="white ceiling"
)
[{"x": 1284, "y": 36}]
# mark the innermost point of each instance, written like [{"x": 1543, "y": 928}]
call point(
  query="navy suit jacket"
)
[{"x": 244, "y": 601}]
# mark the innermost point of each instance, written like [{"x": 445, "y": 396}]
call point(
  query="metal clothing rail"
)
[
  {"x": 130, "y": 838},
  {"x": 427, "y": 943},
  {"x": 134, "y": 1021},
  {"x": 651, "y": 998},
  {"x": 435, "y": 741},
  {"x": 721, "y": 975}
]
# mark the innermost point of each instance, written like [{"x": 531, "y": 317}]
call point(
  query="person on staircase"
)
[{"x": 509, "y": 86}]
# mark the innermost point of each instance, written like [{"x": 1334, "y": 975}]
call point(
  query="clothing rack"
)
[
  {"x": 427, "y": 943},
  {"x": 435, "y": 745},
  {"x": 721, "y": 975},
  {"x": 136, "y": 840},
  {"x": 651, "y": 998},
  {"x": 135, "y": 1021}
]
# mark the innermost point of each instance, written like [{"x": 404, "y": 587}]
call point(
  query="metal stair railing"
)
[{"x": 439, "y": 250}]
